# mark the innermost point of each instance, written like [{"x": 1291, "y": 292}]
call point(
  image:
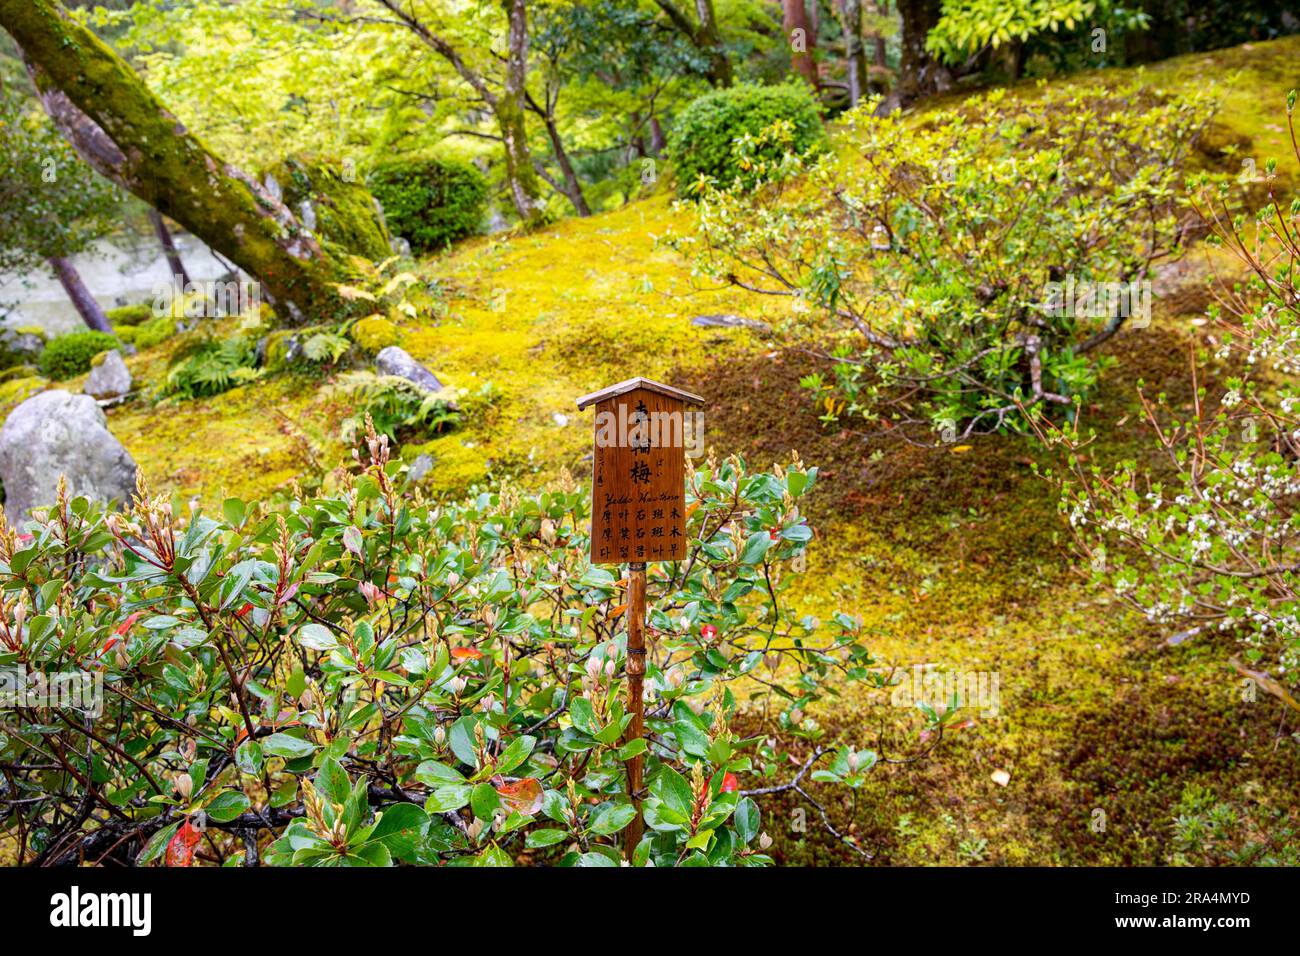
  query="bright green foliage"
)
[
  {"x": 51, "y": 202},
  {"x": 130, "y": 315},
  {"x": 399, "y": 409},
  {"x": 211, "y": 366},
  {"x": 968, "y": 26},
  {"x": 69, "y": 355},
  {"x": 148, "y": 334},
  {"x": 430, "y": 202},
  {"x": 1217, "y": 544},
  {"x": 926, "y": 255},
  {"x": 366, "y": 678},
  {"x": 734, "y": 135}
]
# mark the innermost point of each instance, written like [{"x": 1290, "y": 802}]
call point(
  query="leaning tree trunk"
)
[
  {"x": 169, "y": 249},
  {"x": 802, "y": 40},
  {"x": 82, "y": 300},
  {"x": 123, "y": 131}
]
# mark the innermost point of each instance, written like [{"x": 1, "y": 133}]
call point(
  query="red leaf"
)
[
  {"x": 729, "y": 783},
  {"x": 524, "y": 796},
  {"x": 466, "y": 653},
  {"x": 708, "y": 632},
  {"x": 128, "y": 623},
  {"x": 180, "y": 848},
  {"x": 243, "y": 610}
]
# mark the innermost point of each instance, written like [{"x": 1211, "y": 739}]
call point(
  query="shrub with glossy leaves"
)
[
  {"x": 430, "y": 202},
  {"x": 364, "y": 677},
  {"x": 729, "y": 136}
]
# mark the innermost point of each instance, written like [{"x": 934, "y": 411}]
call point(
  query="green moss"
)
[
  {"x": 129, "y": 315},
  {"x": 374, "y": 332},
  {"x": 347, "y": 217},
  {"x": 15, "y": 391}
]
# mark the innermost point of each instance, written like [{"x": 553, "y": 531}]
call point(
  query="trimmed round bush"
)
[
  {"x": 704, "y": 139},
  {"x": 70, "y": 355},
  {"x": 430, "y": 202}
]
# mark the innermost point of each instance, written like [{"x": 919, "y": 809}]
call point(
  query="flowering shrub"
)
[
  {"x": 365, "y": 677},
  {"x": 925, "y": 252},
  {"x": 1217, "y": 545}
]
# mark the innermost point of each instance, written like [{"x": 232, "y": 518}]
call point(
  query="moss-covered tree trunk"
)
[
  {"x": 525, "y": 187},
  {"x": 126, "y": 134}
]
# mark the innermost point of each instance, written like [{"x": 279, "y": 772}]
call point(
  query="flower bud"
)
[
  {"x": 440, "y": 736},
  {"x": 764, "y": 841},
  {"x": 184, "y": 785}
]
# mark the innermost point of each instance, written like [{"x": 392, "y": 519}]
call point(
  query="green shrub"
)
[
  {"x": 211, "y": 366},
  {"x": 69, "y": 355},
  {"x": 364, "y": 678},
  {"x": 430, "y": 202},
  {"x": 950, "y": 265},
  {"x": 738, "y": 133},
  {"x": 130, "y": 315},
  {"x": 148, "y": 334}
]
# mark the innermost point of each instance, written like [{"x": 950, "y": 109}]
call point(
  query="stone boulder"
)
[
  {"x": 397, "y": 361},
  {"x": 109, "y": 379},
  {"x": 57, "y": 433}
]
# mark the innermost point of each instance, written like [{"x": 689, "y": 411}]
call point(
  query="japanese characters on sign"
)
[{"x": 638, "y": 473}]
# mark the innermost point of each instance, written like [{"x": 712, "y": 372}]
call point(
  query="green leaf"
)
[
  {"x": 612, "y": 819},
  {"x": 401, "y": 828},
  {"x": 674, "y": 793},
  {"x": 317, "y": 637},
  {"x": 157, "y": 843},
  {"x": 746, "y": 819},
  {"x": 291, "y": 748},
  {"x": 484, "y": 801},
  {"x": 446, "y": 799},
  {"x": 227, "y": 805},
  {"x": 537, "y": 839},
  {"x": 755, "y": 547}
]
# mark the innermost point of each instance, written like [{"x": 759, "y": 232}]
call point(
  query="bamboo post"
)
[{"x": 635, "y": 702}]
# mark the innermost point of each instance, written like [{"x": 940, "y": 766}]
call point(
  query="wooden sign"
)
[{"x": 638, "y": 507}]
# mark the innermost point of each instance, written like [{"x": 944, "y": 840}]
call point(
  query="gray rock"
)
[
  {"x": 109, "y": 380},
  {"x": 396, "y": 361},
  {"x": 725, "y": 321},
  {"x": 57, "y": 433}
]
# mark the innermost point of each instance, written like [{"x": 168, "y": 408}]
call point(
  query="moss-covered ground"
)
[{"x": 1105, "y": 735}]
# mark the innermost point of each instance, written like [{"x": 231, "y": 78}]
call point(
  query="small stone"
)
[
  {"x": 109, "y": 378},
  {"x": 395, "y": 360},
  {"x": 560, "y": 419},
  {"x": 1001, "y": 778},
  {"x": 728, "y": 321}
]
